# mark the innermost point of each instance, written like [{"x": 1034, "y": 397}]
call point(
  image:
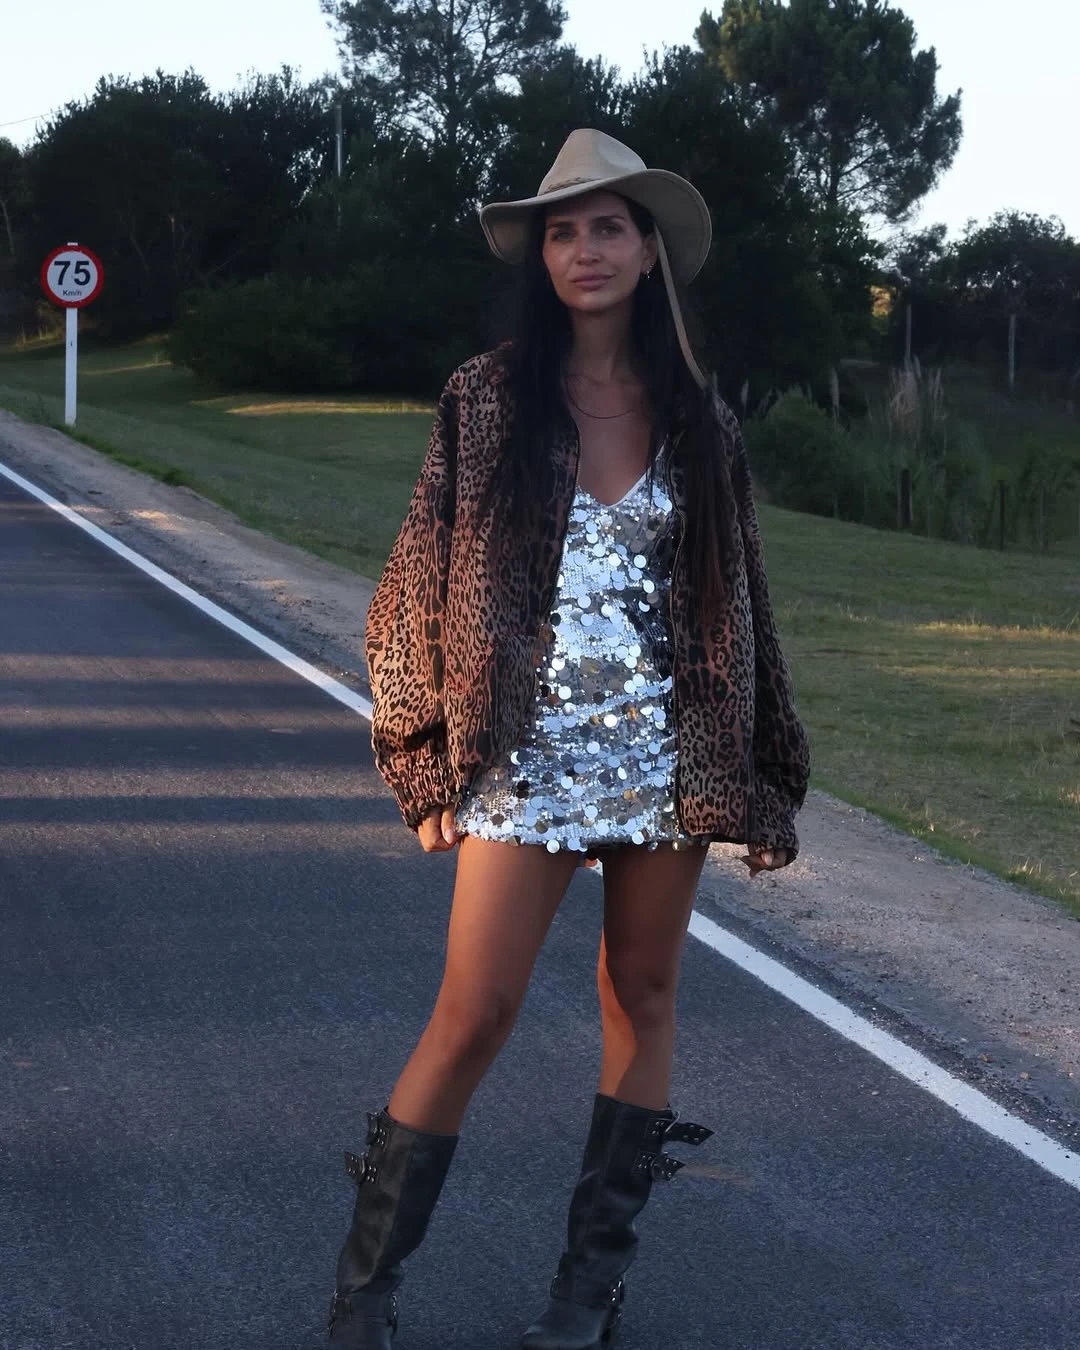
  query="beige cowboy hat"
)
[{"x": 591, "y": 161}]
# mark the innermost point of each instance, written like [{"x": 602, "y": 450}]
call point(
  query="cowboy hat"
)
[{"x": 591, "y": 161}]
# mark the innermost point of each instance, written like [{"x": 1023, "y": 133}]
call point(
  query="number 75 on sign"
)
[{"x": 72, "y": 276}]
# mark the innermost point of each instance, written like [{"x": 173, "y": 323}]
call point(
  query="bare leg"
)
[
  {"x": 648, "y": 897},
  {"x": 505, "y": 898}
]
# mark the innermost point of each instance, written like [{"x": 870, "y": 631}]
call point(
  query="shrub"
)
[
  {"x": 282, "y": 333},
  {"x": 804, "y": 458},
  {"x": 274, "y": 333},
  {"x": 913, "y": 429}
]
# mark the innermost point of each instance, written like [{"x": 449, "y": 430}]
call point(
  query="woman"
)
[{"x": 571, "y": 650}]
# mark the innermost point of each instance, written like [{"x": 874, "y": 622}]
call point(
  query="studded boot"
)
[
  {"x": 623, "y": 1156},
  {"x": 398, "y": 1181}
]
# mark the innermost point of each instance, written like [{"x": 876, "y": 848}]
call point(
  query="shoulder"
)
[
  {"x": 721, "y": 412},
  {"x": 480, "y": 374}
]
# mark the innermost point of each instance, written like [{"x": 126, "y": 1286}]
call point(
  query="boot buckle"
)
[
  {"x": 341, "y": 1309},
  {"x": 377, "y": 1132},
  {"x": 658, "y": 1166},
  {"x": 360, "y": 1169},
  {"x": 686, "y": 1132},
  {"x": 670, "y": 1129}
]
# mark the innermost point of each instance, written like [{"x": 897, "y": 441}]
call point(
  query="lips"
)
[{"x": 590, "y": 283}]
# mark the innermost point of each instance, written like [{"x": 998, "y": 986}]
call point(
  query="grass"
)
[
  {"x": 328, "y": 474},
  {"x": 941, "y": 687},
  {"x": 940, "y": 684},
  {"x": 1009, "y": 431}
]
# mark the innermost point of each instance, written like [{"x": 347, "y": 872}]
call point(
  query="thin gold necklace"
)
[{"x": 599, "y": 417}]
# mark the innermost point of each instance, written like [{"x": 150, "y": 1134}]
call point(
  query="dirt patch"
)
[{"x": 977, "y": 966}]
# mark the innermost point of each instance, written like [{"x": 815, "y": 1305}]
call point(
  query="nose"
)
[{"x": 587, "y": 250}]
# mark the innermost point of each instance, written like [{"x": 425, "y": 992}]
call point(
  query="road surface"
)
[{"x": 217, "y": 947}]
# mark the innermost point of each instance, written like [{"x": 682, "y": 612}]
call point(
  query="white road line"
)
[
  {"x": 356, "y": 702},
  {"x": 968, "y": 1102}
]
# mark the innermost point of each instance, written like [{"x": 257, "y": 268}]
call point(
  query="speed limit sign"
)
[{"x": 72, "y": 276}]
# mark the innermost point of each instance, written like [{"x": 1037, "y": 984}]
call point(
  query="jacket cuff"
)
[
  {"x": 421, "y": 779},
  {"x": 774, "y": 816}
]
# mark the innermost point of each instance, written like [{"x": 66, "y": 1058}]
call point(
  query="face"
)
[{"x": 594, "y": 253}]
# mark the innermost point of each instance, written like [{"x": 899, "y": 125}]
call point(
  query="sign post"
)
[{"x": 72, "y": 276}]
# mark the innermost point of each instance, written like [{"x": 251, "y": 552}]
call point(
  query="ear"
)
[{"x": 651, "y": 253}]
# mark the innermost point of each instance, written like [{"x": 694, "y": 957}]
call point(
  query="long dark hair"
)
[{"x": 535, "y": 340}]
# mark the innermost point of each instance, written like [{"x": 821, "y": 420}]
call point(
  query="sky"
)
[{"x": 1020, "y": 106}]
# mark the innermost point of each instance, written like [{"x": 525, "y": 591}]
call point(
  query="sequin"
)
[{"x": 595, "y": 767}]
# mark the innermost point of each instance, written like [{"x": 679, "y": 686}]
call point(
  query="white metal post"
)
[{"x": 71, "y": 365}]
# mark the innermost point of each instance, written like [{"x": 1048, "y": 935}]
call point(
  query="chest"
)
[{"x": 613, "y": 455}]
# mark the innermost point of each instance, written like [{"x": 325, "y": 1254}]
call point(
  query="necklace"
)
[{"x": 599, "y": 417}]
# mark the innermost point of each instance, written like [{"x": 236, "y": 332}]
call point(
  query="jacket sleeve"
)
[
  {"x": 405, "y": 634},
  {"x": 781, "y": 748}
]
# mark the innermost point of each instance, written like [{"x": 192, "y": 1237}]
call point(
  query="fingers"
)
[
  {"x": 437, "y": 832},
  {"x": 764, "y": 859}
]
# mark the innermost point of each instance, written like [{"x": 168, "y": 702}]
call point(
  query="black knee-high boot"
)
[
  {"x": 398, "y": 1181},
  {"x": 623, "y": 1156}
]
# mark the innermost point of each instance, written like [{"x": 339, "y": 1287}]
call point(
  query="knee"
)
[
  {"x": 640, "y": 998},
  {"x": 471, "y": 1029}
]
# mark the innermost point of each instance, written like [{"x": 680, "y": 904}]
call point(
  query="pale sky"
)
[{"x": 1022, "y": 127}]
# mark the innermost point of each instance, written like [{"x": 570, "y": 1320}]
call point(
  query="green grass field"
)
[
  {"x": 940, "y": 684},
  {"x": 290, "y": 466}
]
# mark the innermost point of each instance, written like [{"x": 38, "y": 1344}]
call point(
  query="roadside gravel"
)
[{"x": 981, "y": 975}]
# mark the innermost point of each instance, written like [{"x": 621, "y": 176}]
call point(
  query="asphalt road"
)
[{"x": 217, "y": 947}]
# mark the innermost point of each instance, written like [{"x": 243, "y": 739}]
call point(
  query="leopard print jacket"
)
[{"x": 454, "y": 638}]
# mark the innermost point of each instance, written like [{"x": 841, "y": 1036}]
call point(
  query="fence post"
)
[
  {"x": 903, "y": 501},
  {"x": 1001, "y": 514}
]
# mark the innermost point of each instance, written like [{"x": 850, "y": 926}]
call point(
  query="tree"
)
[
  {"x": 765, "y": 292},
  {"x": 523, "y": 129},
  {"x": 11, "y": 165},
  {"x": 844, "y": 81},
  {"x": 173, "y": 186},
  {"x": 1025, "y": 269},
  {"x": 424, "y": 64}
]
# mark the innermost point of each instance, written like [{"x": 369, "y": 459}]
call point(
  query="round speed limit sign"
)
[{"x": 72, "y": 276}]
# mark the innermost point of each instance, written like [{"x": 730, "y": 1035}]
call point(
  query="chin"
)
[{"x": 595, "y": 302}]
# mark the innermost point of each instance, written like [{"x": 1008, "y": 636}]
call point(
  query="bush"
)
[
  {"x": 271, "y": 334},
  {"x": 913, "y": 429},
  {"x": 804, "y": 458},
  {"x": 295, "y": 334}
]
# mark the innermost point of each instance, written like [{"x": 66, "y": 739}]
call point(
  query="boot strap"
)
[
  {"x": 610, "y": 1298},
  {"x": 670, "y": 1129},
  {"x": 380, "y": 1308},
  {"x": 377, "y": 1129},
  {"x": 361, "y": 1168},
  {"x": 662, "y": 1166},
  {"x": 658, "y": 1166},
  {"x": 686, "y": 1132}
]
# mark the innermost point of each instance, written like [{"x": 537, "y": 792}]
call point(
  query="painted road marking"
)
[
  {"x": 356, "y": 702},
  {"x": 968, "y": 1102}
]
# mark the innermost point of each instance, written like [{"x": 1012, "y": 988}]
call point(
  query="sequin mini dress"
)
[{"x": 596, "y": 764}]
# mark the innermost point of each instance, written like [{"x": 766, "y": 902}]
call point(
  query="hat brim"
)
[{"x": 675, "y": 204}]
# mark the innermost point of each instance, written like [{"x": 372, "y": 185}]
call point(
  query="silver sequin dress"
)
[{"x": 596, "y": 765}]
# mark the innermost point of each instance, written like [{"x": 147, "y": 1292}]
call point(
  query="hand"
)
[
  {"x": 759, "y": 859},
  {"x": 437, "y": 831}
]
